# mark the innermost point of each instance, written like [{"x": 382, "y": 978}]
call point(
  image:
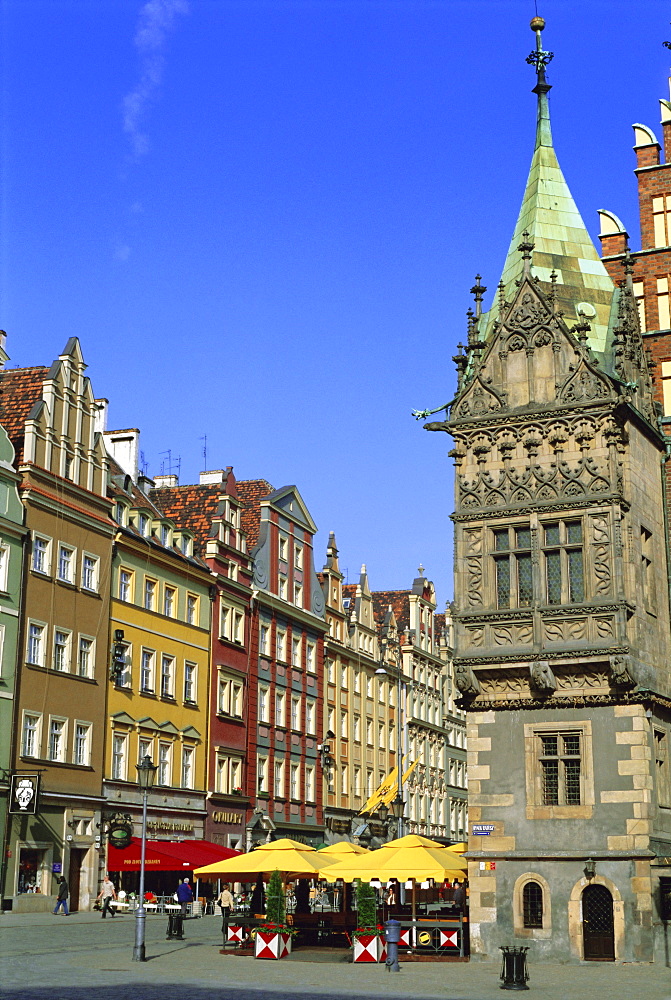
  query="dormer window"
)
[
  {"x": 143, "y": 524},
  {"x": 165, "y": 535},
  {"x": 120, "y": 512},
  {"x": 186, "y": 545}
]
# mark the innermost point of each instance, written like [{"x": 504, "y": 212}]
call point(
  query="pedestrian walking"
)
[
  {"x": 227, "y": 904},
  {"x": 106, "y": 895},
  {"x": 184, "y": 895},
  {"x": 63, "y": 893},
  {"x": 460, "y": 896}
]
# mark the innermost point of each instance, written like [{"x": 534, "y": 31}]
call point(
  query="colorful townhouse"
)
[
  {"x": 159, "y": 675},
  {"x": 12, "y": 535},
  {"x": 60, "y": 700},
  {"x": 210, "y": 512}
]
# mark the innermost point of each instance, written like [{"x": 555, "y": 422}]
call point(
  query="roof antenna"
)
[{"x": 204, "y": 438}]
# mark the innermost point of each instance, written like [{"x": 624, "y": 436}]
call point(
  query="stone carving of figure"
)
[
  {"x": 466, "y": 680},
  {"x": 542, "y": 677},
  {"x": 621, "y": 673}
]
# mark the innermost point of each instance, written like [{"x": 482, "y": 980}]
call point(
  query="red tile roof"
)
[
  {"x": 399, "y": 601},
  {"x": 250, "y": 493},
  {"x": 191, "y": 507},
  {"x": 20, "y": 389}
]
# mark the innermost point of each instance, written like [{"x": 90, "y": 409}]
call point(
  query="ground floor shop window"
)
[{"x": 30, "y": 870}]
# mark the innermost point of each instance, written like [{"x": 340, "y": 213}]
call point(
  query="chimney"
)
[
  {"x": 101, "y": 407},
  {"x": 166, "y": 482},
  {"x": 214, "y": 476},
  {"x": 124, "y": 447}
]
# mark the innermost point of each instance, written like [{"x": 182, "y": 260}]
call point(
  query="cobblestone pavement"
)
[{"x": 43, "y": 957}]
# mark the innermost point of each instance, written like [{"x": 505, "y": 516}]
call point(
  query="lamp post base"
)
[
  {"x": 138, "y": 947},
  {"x": 138, "y": 953}
]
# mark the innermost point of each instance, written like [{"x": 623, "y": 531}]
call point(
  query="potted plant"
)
[
  {"x": 369, "y": 942},
  {"x": 273, "y": 937}
]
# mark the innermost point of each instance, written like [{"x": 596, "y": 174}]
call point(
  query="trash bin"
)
[
  {"x": 175, "y": 927},
  {"x": 393, "y": 936},
  {"x": 514, "y": 973}
]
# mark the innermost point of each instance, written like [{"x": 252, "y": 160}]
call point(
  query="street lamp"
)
[
  {"x": 146, "y": 772},
  {"x": 382, "y": 671}
]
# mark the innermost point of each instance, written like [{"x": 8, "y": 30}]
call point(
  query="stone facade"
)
[{"x": 561, "y": 594}]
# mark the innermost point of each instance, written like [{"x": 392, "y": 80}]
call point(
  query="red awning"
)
[{"x": 167, "y": 855}]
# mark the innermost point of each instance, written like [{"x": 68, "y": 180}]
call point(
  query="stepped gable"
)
[
  {"x": 191, "y": 507},
  {"x": 20, "y": 389},
  {"x": 250, "y": 494},
  {"x": 398, "y": 599}
]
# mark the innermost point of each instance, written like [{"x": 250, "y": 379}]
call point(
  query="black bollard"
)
[
  {"x": 514, "y": 971},
  {"x": 170, "y": 931},
  {"x": 179, "y": 926},
  {"x": 393, "y": 936}
]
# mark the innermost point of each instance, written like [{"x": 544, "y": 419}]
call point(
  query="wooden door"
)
[
  {"x": 74, "y": 873},
  {"x": 597, "y": 922}
]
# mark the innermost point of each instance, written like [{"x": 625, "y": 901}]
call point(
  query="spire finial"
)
[
  {"x": 540, "y": 58},
  {"x": 526, "y": 248},
  {"x": 478, "y": 291}
]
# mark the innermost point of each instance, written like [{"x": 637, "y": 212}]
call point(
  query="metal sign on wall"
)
[{"x": 24, "y": 794}]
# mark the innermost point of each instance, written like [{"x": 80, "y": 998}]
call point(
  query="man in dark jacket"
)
[
  {"x": 184, "y": 895},
  {"x": 63, "y": 893}
]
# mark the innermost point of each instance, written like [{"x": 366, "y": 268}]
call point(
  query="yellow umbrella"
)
[
  {"x": 410, "y": 857},
  {"x": 458, "y": 848},
  {"x": 343, "y": 850},
  {"x": 286, "y": 856}
]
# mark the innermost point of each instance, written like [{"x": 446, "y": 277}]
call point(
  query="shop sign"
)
[
  {"x": 57, "y": 868},
  {"x": 24, "y": 793},
  {"x": 227, "y": 817},
  {"x": 164, "y": 824}
]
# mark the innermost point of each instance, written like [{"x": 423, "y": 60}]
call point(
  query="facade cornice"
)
[
  {"x": 480, "y": 704},
  {"x": 270, "y": 601}
]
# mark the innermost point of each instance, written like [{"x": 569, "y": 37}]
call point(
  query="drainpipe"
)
[{"x": 665, "y": 509}]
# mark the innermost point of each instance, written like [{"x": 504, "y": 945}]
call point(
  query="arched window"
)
[{"x": 532, "y": 905}]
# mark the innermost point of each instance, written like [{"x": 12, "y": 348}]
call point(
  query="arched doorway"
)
[{"x": 597, "y": 924}]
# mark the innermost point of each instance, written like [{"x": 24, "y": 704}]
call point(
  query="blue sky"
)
[{"x": 262, "y": 220}]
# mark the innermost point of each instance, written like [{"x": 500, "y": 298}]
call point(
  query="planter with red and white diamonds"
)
[
  {"x": 272, "y": 944},
  {"x": 370, "y": 948}
]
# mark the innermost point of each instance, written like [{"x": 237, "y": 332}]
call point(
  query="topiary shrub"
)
[
  {"x": 366, "y": 904},
  {"x": 275, "y": 906}
]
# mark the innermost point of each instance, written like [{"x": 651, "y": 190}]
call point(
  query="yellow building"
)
[{"x": 160, "y": 683}]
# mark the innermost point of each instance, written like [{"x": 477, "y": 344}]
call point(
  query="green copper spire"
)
[{"x": 552, "y": 223}]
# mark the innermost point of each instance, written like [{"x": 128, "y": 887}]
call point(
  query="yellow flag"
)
[{"x": 387, "y": 791}]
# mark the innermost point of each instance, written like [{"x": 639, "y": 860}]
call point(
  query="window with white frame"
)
[
  {"x": 344, "y": 786},
  {"x": 4, "y": 565},
  {"x": 119, "y": 756},
  {"x": 31, "y": 734},
  {"x": 264, "y": 640},
  {"x": 223, "y": 774},
  {"x": 331, "y": 717},
  {"x": 310, "y": 658},
  {"x": 380, "y": 736},
  {"x": 187, "y": 767},
  {"x": 149, "y": 594},
  {"x": 310, "y": 718},
  {"x": 66, "y": 563},
  {"x": 226, "y": 623},
  {"x": 343, "y": 725},
  {"x": 230, "y": 696},
  {"x": 90, "y": 572},
  {"x": 298, "y": 594},
  {"x": 189, "y": 682},
  {"x": 167, "y": 676},
  {"x": 120, "y": 512},
  {"x": 191, "y": 609},
  {"x": 145, "y": 748},
  {"x": 125, "y": 585},
  {"x": 283, "y": 546},
  {"x": 310, "y": 784},
  {"x": 61, "y": 660},
  {"x": 85, "y": 656},
  {"x": 278, "y": 786},
  {"x": 57, "y": 738},
  {"x": 369, "y": 686},
  {"x": 35, "y": 646},
  {"x": 147, "y": 662},
  {"x": 294, "y": 781},
  {"x": 369, "y": 732},
  {"x": 357, "y": 729},
  {"x": 298, "y": 556},
  {"x": 280, "y": 708},
  {"x": 41, "y": 553},
  {"x": 236, "y": 774},
  {"x": 281, "y": 644},
  {"x": 295, "y": 712},
  {"x": 330, "y": 671},
  {"x": 357, "y": 782},
  {"x": 356, "y": 685},
  {"x": 81, "y": 750},
  {"x": 124, "y": 678},
  {"x": 143, "y": 524},
  {"x": 295, "y": 651},
  {"x": 282, "y": 588},
  {"x": 165, "y": 535},
  {"x": 262, "y": 774},
  {"x": 169, "y": 601},
  {"x": 164, "y": 763},
  {"x": 264, "y": 704},
  {"x": 238, "y": 627}
]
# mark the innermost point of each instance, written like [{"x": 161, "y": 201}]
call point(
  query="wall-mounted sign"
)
[
  {"x": 57, "y": 868},
  {"x": 226, "y": 817},
  {"x": 164, "y": 824},
  {"x": 24, "y": 793},
  {"x": 120, "y": 833},
  {"x": 482, "y": 829}
]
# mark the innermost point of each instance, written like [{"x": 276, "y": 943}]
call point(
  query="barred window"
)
[
  {"x": 560, "y": 762},
  {"x": 512, "y": 567},
  {"x": 532, "y": 905},
  {"x": 563, "y": 557}
]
